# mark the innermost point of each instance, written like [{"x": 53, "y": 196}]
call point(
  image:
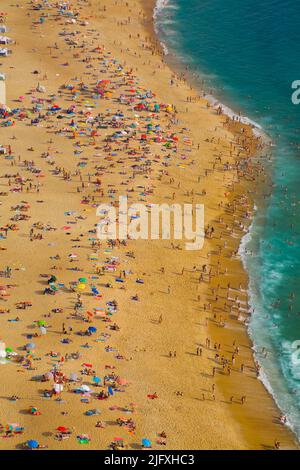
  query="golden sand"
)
[{"x": 193, "y": 307}]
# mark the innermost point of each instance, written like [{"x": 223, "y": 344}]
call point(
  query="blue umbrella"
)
[
  {"x": 92, "y": 329},
  {"x": 146, "y": 443},
  {"x": 30, "y": 346},
  {"x": 32, "y": 444},
  {"x": 96, "y": 380},
  {"x": 110, "y": 391}
]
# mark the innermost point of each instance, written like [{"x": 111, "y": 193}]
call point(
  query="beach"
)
[{"x": 77, "y": 82}]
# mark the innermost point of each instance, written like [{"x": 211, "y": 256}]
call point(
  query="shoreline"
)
[
  {"x": 175, "y": 64},
  {"x": 191, "y": 422}
]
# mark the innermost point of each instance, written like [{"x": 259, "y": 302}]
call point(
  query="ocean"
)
[{"x": 247, "y": 53}]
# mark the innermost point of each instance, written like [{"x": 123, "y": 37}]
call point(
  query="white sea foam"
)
[
  {"x": 257, "y": 129},
  {"x": 160, "y": 5}
]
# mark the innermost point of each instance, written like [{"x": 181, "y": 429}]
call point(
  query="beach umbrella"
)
[
  {"x": 62, "y": 429},
  {"x": 146, "y": 443},
  {"x": 110, "y": 391},
  {"x": 96, "y": 380},
  {"x": 30, "y": 346},
  {"x": 82, "y": 280},
  {"x": 81, "y": 286},
  {"x": 73, "y": 376},
  {"x": 32, "y": 444},
  {"x": 41, "y": 323},
  {"x": 85, "y": 388},
  {"x": 92, "y": 329}
]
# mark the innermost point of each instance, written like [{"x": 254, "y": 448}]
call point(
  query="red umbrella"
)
[{"x": 62, "y": 429}]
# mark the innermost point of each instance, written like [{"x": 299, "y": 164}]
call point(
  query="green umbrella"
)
[{"x": 82, "y": 279}]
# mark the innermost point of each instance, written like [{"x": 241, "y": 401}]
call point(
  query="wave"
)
[
  {"x": 160, "y": 5},
  {"x": 257, "y": 328}
]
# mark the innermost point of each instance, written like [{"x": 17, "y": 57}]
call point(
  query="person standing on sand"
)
[{"x": 276, "y": 445}]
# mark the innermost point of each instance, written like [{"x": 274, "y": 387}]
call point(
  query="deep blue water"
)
[{"x": 248, "y": 52}]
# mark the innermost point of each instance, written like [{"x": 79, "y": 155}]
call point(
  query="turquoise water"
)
[{"x": 248, "y": 52}]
